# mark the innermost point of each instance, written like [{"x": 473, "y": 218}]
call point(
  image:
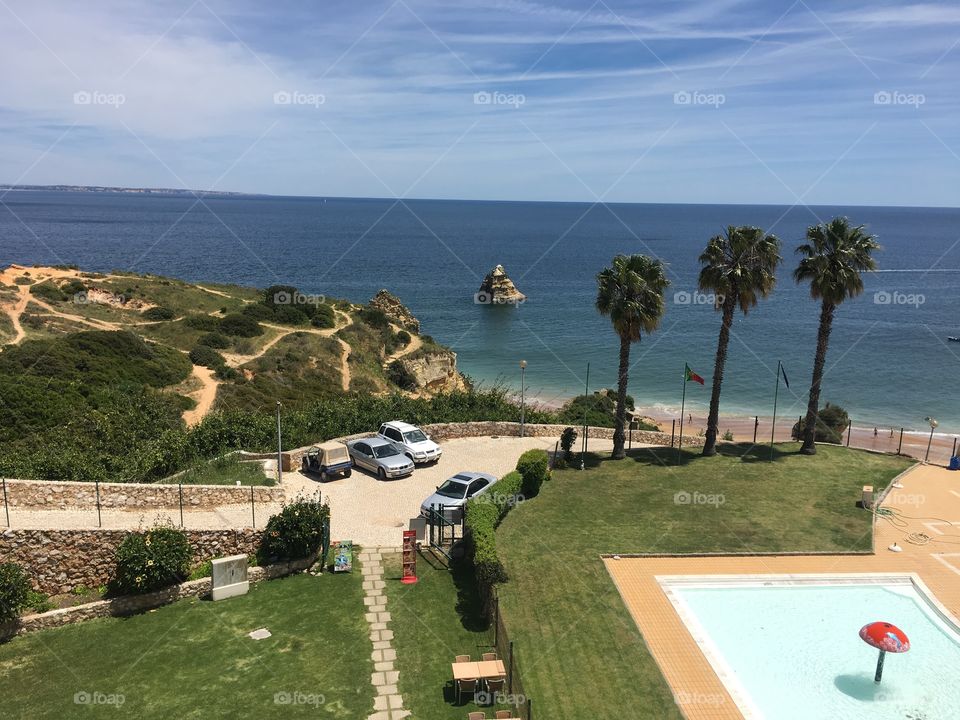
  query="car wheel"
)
[
  {"x": 324, "y": 477},
  {"x": 348, "y": 473},
  {"x": 381, "y": 473},
  {"x": 303, "y": 466}
]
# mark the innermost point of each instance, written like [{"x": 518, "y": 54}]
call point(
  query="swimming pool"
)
[{"x": 788, "y": 647}]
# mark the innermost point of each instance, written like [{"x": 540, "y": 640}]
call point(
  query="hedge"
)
[
  {"x": 481, "y": 518},
  {"x": 534, "y": 467},
  {"x": 14, "y": 591}
]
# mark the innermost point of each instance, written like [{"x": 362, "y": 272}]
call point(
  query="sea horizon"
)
[{"x": 433, "y": 253}]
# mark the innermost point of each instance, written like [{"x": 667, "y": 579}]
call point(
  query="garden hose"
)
[{"x": 899, "y": 520}]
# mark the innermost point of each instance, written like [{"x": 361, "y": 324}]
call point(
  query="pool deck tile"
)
[{"x": 927, "y": 491}]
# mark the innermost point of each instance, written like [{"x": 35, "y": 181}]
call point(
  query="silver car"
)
[
  {"x": 381, "y": 457},
  {"x": 455, "y": 492}
]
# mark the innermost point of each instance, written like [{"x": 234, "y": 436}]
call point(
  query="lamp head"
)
[
  {"x": 933, "y": 422},
  {"x": 523, "y": 364}
]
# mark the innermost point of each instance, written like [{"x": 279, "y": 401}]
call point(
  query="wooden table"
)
[{"x": 484, "y": 670}]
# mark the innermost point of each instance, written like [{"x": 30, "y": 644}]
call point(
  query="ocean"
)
[{"x": 889, "y": 362}]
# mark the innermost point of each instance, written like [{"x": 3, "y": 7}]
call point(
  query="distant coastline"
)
[{"x": 173, "y": 192}]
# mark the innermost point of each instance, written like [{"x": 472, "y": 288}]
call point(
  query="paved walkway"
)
[
  {"x": 930, "y": 549},
  {"x": 388, "y": 704}
]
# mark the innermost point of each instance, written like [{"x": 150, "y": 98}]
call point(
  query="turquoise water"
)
[{"x": 796, "y": 653}]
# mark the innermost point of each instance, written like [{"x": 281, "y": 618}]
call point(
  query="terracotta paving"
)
[{"x": 931, "y": 495}]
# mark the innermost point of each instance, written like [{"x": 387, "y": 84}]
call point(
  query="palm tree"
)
[
  {"x": 833, "y": 259},
  {"x": 630, "y": 291},
  {"x": 739, "y": 268}
]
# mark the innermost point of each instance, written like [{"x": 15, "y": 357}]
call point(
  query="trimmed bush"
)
[
  {"x": 14, "y": 591},
  {"x": 567, "y": 438},
  {"x": 296, "y": 531},
  {"x": 159, "y": 313},
  {"x": 534, "y": 468},
  {"x": 206, "y": 356},
  {"x": 150, "y": 560},
  {"x": 481, "y": 518},
  {"x": 215, "y": 340},
  {"x": 832, "y": 422}
]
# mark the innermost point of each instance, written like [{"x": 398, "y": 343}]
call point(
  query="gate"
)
[{"x": 444, "y": 527}]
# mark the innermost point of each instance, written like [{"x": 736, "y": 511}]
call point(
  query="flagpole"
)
[
  {"x": 683, "y": 403},
  {"x": 583, "y": 440},
  {"x": 773, "y": 425}
]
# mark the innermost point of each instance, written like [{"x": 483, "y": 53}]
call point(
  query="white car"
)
[{"x": 414, "y": 442}]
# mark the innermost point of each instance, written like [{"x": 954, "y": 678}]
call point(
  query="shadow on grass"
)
[{"x": 469, "y": 601}]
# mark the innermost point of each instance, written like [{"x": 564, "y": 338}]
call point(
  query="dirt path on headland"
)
[
  {"x": 415, "y": 344},
  {"x": 204, "y": 397}
]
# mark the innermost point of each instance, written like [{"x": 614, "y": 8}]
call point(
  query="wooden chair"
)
[
  {"x": 462, "y": 658},
  {"x": 463, "y": 686},
  {"x": 477, "y": 716},
  {"x": 489, "y": 656},
  {"x": 495, "y": 686},
  {"x": 504, "y": 714}
]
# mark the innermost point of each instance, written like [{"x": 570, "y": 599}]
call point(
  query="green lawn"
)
[
  {"x": 193, "y": 659},
  {"x": 433, "y": 622},
  {"x": 580, "y": 652}
]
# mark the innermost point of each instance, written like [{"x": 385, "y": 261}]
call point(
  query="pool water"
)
[{"x": 789, "y": 651}]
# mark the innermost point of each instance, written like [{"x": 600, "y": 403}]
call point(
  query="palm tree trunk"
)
[
  {"x": 619, "y": 435},
  {"x": 713, "y": 420},
  {"x": 813, "y": 406}
]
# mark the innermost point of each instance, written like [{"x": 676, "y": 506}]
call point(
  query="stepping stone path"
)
[{"x": 388, "y": 705}]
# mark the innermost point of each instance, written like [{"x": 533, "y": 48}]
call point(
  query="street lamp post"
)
[
  {"x": 279, "y": 449},
  {"x": 523, "y": 399},
  {"x": 933, "y": 426}
]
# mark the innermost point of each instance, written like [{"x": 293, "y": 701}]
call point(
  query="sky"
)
[{"x": 727, "y": 101}]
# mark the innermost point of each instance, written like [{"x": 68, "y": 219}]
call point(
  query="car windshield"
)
[
  {"x": 414, "y": 436},
  {"x": 383, "y": 451},
  {"x": 452, "y": 489}
]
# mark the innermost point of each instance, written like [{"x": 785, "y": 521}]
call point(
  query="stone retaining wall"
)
[
  {"x": 131, "y": 604},
  {"x": 448, "y": 431},
  {"x": 56, "y": 495},
  {"x": 57, "y": 561}
]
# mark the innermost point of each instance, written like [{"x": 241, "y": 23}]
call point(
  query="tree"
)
[
  {"x": 832, "y": 261},
  {"x": 739, "y": 267},
  {"x": 630, "y": 292}
]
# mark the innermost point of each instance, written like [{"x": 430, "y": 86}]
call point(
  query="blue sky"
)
[{"x": 726, "y": 101}]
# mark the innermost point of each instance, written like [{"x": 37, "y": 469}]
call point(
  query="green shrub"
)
[
  {"x": 14, "y": 591},
  {"x": 239, "y": 325},
  {"x": 481, "y": 518},
  {"x": 203, "y": 570},
  {"x": 207, "y": 323},
  {"x": 296, "y": 531},
  {"x": 206, "y": 356},
  {"x": 534, "y": 468},
  {"x": 567, "y": 438},
  {"x": 150, "y": 560},
  {"x": 159, "y": 312},
  {"x": 290, "y": 315},
  {"x": 73, "y": 287},
  {"x": 48, "y": 291},
  {"x": 323, "y": 317},
  {"x": 403, "y": 338},
  {"x": 215, "y": 340},
  {"x": 374, "y": 318},
  {"x": 399, "y": 375},
  {"x": 258, "y": 311},
  {"x": 39, "y": 602},
  {"x": 832, "y": 422},
  {"x": 728, "y": 436}
]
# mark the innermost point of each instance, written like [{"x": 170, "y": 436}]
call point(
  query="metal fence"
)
[{"x": 516, "y": 695}]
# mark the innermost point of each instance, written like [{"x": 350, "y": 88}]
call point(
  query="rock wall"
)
[
  {"x": 53, "y": 495},
  {"x": 57, "y": 561},
  {"x": 448, "y": 431},
  {"x": 130, "y": 604}
]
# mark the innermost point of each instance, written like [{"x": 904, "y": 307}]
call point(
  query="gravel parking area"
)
[
  {"x": 374, "y": 513},
  {"x": 363, "y": 509}
]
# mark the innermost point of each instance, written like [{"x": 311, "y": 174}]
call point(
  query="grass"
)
[
  {"x": 433, "y": 621},
  {"x": 580, "y": 653},
  {"x": 193, "y": 659},
  {"x": 226, "y": 470}
]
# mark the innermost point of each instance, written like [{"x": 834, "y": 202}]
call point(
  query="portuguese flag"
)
[{"x": 689, "y": 375}]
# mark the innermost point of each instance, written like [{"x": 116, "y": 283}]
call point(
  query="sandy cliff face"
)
[
  {"x": 435, "y": 371},
  {"x": 391, "y": 306}
]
